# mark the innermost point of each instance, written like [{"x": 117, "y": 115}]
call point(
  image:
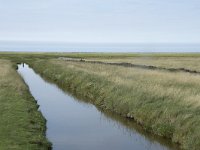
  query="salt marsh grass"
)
[
  {"x": 164, "y": 103},
  {"x": 22, "y": 126},
  {"x": 191, "y": 63}
]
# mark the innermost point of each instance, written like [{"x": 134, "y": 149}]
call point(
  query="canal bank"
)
[
  {"x": 22, "y": 126},
  {"x": 163, "y": 103},
  {"x": 75, "y": 124}
]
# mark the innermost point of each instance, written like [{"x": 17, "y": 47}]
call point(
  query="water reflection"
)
[{"x": 76, "y": 125}]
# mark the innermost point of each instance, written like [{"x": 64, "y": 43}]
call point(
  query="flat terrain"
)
[
  {"x": 22, "y": 126},
  {"x": 163, "y": 102},
  {"x": 191, "y": 63}
]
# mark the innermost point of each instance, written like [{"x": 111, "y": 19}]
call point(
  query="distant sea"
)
[{"x": 83, "y": 47}]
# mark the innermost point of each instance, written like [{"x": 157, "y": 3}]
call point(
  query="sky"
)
[{"x": 101, "y": 21}]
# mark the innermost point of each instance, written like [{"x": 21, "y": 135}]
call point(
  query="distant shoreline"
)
[{"x": 101, "y": 47}]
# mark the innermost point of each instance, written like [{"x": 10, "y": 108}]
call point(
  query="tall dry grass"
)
[
  {"x": 191, "y": 63},
  {"x": 164, "y": 103}
]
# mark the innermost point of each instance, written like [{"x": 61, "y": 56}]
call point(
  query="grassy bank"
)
[
  {"x": 164, "y": 103},
  {"x": 22, "y": 126}
]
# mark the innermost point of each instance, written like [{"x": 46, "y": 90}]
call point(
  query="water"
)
[
  {"x": 81, "y": 47},
  {"x": 76, "y": 125}
]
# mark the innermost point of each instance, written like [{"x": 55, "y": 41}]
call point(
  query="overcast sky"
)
[{"x": 99, "y": 21}]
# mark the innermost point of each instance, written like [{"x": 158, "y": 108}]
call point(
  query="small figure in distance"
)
[{"x": 82, "y": 59}]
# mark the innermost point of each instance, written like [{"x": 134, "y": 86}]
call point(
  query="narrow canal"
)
[{"x": 76, "y": 125}]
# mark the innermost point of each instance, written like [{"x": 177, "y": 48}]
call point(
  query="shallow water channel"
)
[{"x": 76, "y": 125}]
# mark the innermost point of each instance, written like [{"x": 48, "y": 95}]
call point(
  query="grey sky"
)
[{"x": 124, "y": 21}]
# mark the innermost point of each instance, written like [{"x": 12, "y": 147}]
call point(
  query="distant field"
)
[
  {"x": 191, "y": 63},
  {"x": 95, "y": 55}
]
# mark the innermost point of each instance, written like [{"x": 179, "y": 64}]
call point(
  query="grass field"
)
[
  {"x": 191, "y": 63},
  {"x": 22, "y": 127},
  {"x": 164, "y": 103}
]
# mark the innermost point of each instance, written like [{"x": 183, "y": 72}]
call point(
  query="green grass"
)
[
  {"x": 164, "y": 103},
  {"x": 23, "y": 55},
  {"x": 22, "y": 126}
]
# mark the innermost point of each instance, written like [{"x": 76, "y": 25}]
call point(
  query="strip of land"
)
[
  {"x": 125, "y": 64},
  {"x": 22, "y": 126},
  {"x": 164, "y": 103},
  {"x": 172, "y": 63}
]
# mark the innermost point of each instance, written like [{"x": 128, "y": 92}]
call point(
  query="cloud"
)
[{"x": 100, "y": 20}]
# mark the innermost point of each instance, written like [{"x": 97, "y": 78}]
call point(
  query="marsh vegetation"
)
[
  {"x": 164, "y": 103},
  {"x": 75, "y": 123},
  {"x": 22, "y": 125},
  {"x": 189, "y": 63}
]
